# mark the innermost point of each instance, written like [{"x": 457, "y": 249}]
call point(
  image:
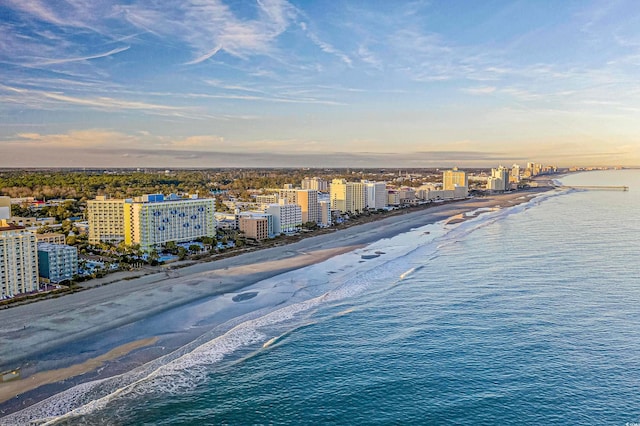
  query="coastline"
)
[
  {"x": 104, "y": 308},
  {"x": 14, "y": 388}
]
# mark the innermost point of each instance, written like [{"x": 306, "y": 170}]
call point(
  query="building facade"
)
[
  {"x": 499, "y": 180},
  {"x": 106, "y": 220},
  {"x": 348, "y": 197},
  {"x": 286, "y": 217},
  {"x": 255, "y": 227},
  {"x": 18, "y": 261},
  {"x": 307, "y": 199},
  {"x": 454, "y": 177},
  {"x": 324, "y": 213},
  {"x": 315, "y": 183},
  {"x": 151, "y": 220},
  {"x": 376, "y": 195},
  {"x": 57, "y": 262}
]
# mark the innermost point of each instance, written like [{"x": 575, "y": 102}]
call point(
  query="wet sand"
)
[{"x": 14, "y": 388}]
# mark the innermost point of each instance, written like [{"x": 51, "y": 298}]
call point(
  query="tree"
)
[
  {"x": 195, "y": 248},
  {"x": 182, "y": 253}
]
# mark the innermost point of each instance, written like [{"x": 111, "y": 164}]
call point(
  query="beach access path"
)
[{"x": 30, "y": 329}]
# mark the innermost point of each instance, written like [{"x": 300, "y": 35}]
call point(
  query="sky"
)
[{"x": 339, "y": 83}]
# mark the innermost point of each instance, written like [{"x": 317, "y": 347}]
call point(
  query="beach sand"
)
[
  {"x": 12, "y": 389},
  {"x": 29, "y": 330}
]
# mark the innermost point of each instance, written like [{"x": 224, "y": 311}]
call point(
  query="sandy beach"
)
[{"x": 36, "y": 328}]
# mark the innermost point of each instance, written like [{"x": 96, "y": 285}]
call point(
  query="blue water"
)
[{"x": 529, "y": 315}]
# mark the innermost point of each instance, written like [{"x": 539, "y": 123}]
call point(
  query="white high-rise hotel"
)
[
  {"x": 18, "y": 256},
  {"x": 151, "y": 219}
]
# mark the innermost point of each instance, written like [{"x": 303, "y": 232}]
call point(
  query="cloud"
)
[
  {"x": 326, "y": 47},
  {"x": 46, "y": 99},
  {"x": 484, "y": 90},
  {"x": 82, "y": 58},
  {"x": 211, "y": 27}
]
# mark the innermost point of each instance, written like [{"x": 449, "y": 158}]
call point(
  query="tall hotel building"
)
[
  {"x": 376, "y": 195},
  {"x": 499, "y": 180},
  {"x": 18, "y": 256},
  {"x": 286, "y": 217},
  {"x": 315, "y": 183},
  {"x": 150, "y": 220},
  {"x": 348, "y": 197},
  {"x": 106, "y": 220},
  {"x": 307, "y": 199},
  {"x": 452, "y": 178}
]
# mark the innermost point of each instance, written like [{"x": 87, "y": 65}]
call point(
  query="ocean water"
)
[{"x": 523, "y": 315}]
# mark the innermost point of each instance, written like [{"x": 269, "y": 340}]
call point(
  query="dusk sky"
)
[{"x": 206, "y": 83}]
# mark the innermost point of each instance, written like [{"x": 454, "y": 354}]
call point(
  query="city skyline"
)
[{"x": 274, "y": 83}]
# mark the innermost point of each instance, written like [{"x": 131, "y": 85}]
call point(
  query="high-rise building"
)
[
  {"x": 286, "y": 217},
  {"x": 348, "y": 197},
  {"x": 153, "y": 219},
  {"x": 324, "y": 213},
  {"x": 376, "y": 195},
  {"x": 106, "y": 220},
  {"x": 57, "y": 262},
  {"x": 307, "y": 199},
  {"x": 315, "y": 183},
  {"x": 288, "y": 194},
  {"x": 514, "y": 177},
  {"x": 18, "y": 260},
  {"x": 454, "y": 177},
  {"x": 499, "y": 180}
]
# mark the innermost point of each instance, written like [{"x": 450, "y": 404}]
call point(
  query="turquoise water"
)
[{"x": 529, "y": 315}]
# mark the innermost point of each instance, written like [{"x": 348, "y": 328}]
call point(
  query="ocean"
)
[{"x": 523, "y": 315}]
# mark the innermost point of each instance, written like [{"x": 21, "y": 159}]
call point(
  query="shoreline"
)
[
  {"x": 15, "y": 388},
  {"x": 108, "y": 307}
]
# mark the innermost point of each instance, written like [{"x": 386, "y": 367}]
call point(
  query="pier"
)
[{"x": 597, "y": 187}]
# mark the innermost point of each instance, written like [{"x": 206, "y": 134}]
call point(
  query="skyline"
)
[{"x": 272, "y": 83}]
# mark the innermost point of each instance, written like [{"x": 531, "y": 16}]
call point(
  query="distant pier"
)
[{"x": 597, "y": 187}]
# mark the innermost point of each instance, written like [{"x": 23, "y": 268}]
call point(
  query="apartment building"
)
[{"x": 57, "y": 262}]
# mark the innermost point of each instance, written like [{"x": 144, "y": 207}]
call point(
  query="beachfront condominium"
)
[
  {"x": 106, "y": 220},
  {"x": 287, "y": 218},
  {"x": 152, "y": 219},
  {"x": 18, "y": 260},
  {"x": 307, "y": 199},
  {"x": 57, "y": 262},
  {"x": 315, "y": 183},
  {"x": 454, "y": 178},
  {"x": 348, "y": 197},
  {"x": 499, "y": 179},
  {"x": 255, "y": 226},
  {"x": 324, "y": 213},
  {"x": 18, "y": 256},
  {"x": 376, "y": 195}
]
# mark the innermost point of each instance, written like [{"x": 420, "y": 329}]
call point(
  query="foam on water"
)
[{"x": 189, "y": 366}]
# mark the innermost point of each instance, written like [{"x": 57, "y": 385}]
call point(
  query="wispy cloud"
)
[
  {"x": 81, "y": 58},
  {"x": 484, "y": 90},
  {"x": 324, "y": 46},
  {"x": 46, "y": 99}
]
